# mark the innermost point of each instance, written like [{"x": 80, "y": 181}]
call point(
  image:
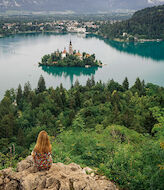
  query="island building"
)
[
  {"x": 70, "y": 49},
  {"x": 64, "y": 53},
  {"x": 72, "y": 52},
  {"x": 79, "y": 55}
]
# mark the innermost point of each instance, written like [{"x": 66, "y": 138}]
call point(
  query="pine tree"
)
[
  {"x": 41, "y": 85},
  {"x": 19, "y": 96},
  {"x": 92, "y": 81},
  {"x": 138, "y": 84},
  {"x": 20, "y": 137},
  {"x": 88, "y": 84},
  {"x": 27, "y": 89},
  {"x": 77, "y": 84},
  {"x": 125, "y": 84},
  {"x": 62, "y": 94},
  {"x": 77, "y": 99},
  {"x": 139, "y": 87},
  {"x": 7, "y": 126},
  {"x": 58, "y": 99}
]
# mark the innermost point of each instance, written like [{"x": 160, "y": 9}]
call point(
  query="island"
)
[{"x": 72, "y": 58}]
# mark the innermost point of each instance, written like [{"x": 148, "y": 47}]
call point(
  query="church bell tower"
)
[{"x": 70, "y": 48}]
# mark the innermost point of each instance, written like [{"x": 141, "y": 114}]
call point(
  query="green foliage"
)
[
  {"x": 19, "y": 96},
  {"x": 7, "y": 161},
  {"x": 56, "y": 60},
  {"x": 139, "y": 87},
  {"x": 27, "y": 90},
  {"x": 86, "y": 126},
  {"x": 158, "y": 128},
  {"x": 78, "y": 123},
  {"x": 144, "y": 24},
  {"x": 125, "y": 84},
  {"x": 41, "y": 85},
  {"x": 123, "y": 155}
]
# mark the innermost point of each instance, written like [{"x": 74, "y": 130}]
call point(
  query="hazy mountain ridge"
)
[{"x": 75, "y": 5}]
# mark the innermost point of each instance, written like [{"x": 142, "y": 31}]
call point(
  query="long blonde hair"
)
[{"x": 43, "y": 144}]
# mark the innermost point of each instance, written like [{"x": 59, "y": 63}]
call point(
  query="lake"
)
[{"x": 20, "y": 54}]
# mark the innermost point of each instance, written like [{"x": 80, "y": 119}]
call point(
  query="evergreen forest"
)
[
  {"x": 116, "y": 129},
  {"x": 145, "y": 24}
]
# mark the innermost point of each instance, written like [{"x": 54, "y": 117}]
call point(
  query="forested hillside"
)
[
  {"x": 144, "y": 24},
  {"x": 111, "y": 127}
]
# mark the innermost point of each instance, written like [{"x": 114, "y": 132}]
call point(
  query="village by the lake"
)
[{"x": 70, "y": 58}]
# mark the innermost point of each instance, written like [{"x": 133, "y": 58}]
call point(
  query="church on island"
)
[
  {"x": 71, "y": 52},
  {"x": 72, "y": 58}
]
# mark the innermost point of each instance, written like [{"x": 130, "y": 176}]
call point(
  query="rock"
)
[
  {"x": 59, "y": 177},
  {"x": 1, "y": 181},
  {"x": 92, "y": 174},
  {"x": 6, "y": 180},
  {"x": 25, "y": 164},
  {"x": 88, "y": 170},
  {"x": 12, "y": 185},
  {"x": 74, "y": 167}
]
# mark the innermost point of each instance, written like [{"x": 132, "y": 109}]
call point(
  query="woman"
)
[{"x": 42, "y": 152}]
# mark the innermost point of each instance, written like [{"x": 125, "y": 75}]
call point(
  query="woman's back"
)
[
  {"x": 42, "y": 152},
  {"x": 42, "y": 161}
]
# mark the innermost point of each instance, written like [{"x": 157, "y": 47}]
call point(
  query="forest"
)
[
  {"x": 145, "y": 24},
  {"x": 116, "y": 129}
]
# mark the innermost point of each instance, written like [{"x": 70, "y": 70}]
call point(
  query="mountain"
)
[
  {"x": 135, "y": 4},
  {"x": 75, "y": 5},
  {"x": 147, "y": 23}
]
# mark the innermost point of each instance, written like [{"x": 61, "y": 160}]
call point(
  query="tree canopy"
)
[
  {"x": 144, "y": 24},
  {"x": 110, "y": 126}
]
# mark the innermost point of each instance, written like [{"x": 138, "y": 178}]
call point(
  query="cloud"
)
[{"x": 155, "y": 1}]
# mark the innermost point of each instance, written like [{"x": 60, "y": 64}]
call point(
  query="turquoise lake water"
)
[{"x": 20, "y": 54}]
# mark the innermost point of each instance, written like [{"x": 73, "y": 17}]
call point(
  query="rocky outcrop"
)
[{"x": 59, "y": 177}]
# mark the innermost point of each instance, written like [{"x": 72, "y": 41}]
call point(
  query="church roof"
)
[
  {"x": 65, "y": 51},
  {"x": 78, "y": 54},
  {"x": 88, "y": 55}
]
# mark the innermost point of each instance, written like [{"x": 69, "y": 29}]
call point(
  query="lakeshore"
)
[
  {"x": 22, "y": 52},
  {"x": 137, "y": 40}
]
